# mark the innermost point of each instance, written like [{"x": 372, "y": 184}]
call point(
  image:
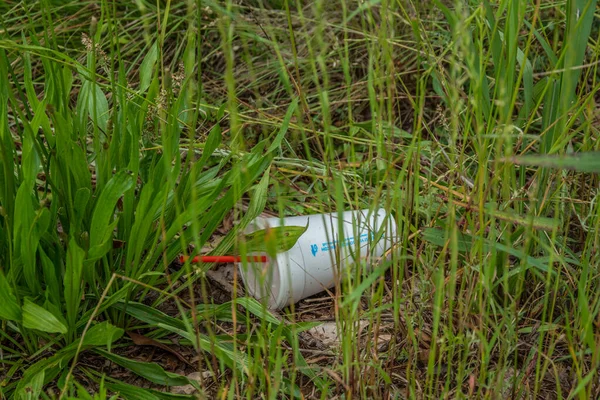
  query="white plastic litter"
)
[{"x": 310, "y": 266}]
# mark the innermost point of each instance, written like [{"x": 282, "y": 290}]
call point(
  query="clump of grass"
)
[{"x": 128, "y": 132}]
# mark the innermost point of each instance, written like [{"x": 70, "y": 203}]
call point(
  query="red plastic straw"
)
[{"x": 223, "y": 259}]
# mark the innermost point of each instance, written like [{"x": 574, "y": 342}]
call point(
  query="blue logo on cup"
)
[{"x": 313, "y": 249}]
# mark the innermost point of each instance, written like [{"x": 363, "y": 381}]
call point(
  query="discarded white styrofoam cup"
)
[{"x": 310, "y": 266}]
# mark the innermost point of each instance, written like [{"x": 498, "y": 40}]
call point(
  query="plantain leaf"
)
[
  {"x": 150, "y": 371},
  {"x": 148, "y": 314},
  {"x": 33, "y": 388},
  {"x": 82, "y": 196},
  {"x": 212, "y": 142},
  {"x": 9, "y": 306},
  {"x": 25, "y": 245},
  {"x": 101, "y": 229},
  {"x": 223, "y": 351},
  {"x": 147, "y": 67},
  {"x": 50, "y": 277},
  {"x": 91, "y": 103},
  {"x": 258, "y": 309},
  {"x": 72, "y": 286},
  {"x": 43, "y": 370},
  {"x": 131, "y": 392},
  {"x": 102, "y": 334},
  {"x": 47, "y": 369},
  {"x": 97, "y": 104},
  {"x": 7, "y": 145},
  {"x": 37, "y": 317}
]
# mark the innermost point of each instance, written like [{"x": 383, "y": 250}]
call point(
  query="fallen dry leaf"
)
[
  {"x": 189, "y": 389},
  {"x": 141, "y": 340}
]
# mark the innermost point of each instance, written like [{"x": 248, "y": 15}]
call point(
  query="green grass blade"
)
[{"x": 588, "y": 162}]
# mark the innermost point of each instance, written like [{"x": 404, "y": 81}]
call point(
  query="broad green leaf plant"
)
[{"x": 98, "y": 197}]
